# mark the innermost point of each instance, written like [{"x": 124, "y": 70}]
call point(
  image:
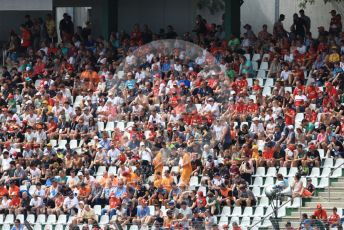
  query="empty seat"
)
[
  {"x": 37, "y": 227},
  {"x": 328, "y": 163},
  {"x": 134, "y": 227},
  {"x": 20, "y": 217},
  {"x": 293, "y": 171},
  {"x": 62, "y": 219},
  {"x": 269, "y": 181},
  {"x": 266, "y": 223},
  {"x": 110, "y": 126},
  {"x": 59, "y": 227},
  {"x": 30, "y": 218},
  {"x": 321, "y": 153},
  {"x": 269, "y": 82},
  {"x": 271, "y": 172},
  {"x": 236, "y": 211},
  {"x": 254, "y": 65},
  {"x": 223, "y": 220},
  {"x": 337, "y": 173},
  {"x": 261, "y": 73},
  {"x": 226, "y": 211},
  {"x": 112, "y": 169},
  {"x": 41, "y": 219},
  {"x": 283, "y": 171},
  {"x": 259, "y": 211},
  {"x": 264, "y": 201},
  {"x": 51, "y": 219},
  {"x": 256, "y": 57},
  {"x": 267, "y": 91},
  {"x": 264, "y": 65},
  {"x": 9, "y": 219},
  {"x": 315, "y": 172},
  {"x": 260, "y": 172},
  {"x": 245, "y": 222},
  {"x": 100, "y": 125},
  {"x": 326, "y": 172},
  {"x": 101, "y": 170},
  {"x": 258, "y": 181},
  {"x": 73, "y": 144},
  {"x": 6, "y": 227},
  {"x": 257, "y": 221},
  {"x": 339, "y": 163},
  {"x": 104, "y": 219},
  {"x": 248, "y": 212},
  {"x": 297, "y": 202},
  {"x": 256, "y": 191},
  {"x": 120, "y": 126},
  {"x": 194, "y": 181},
  {"x": 234, "y": 219}
]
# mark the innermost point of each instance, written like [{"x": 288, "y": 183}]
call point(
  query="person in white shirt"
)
[
  {"x": 211, "y": 107},
  {"x": 73, "y": 180},
  {"x": 257, "y": 127},
  {"x": 145, "y": 153},
  {"x": 285, "y": 73},
  {"x": 300, "y": 100},
  {"x": 5, "y": 161},
  {"x": 36, "y": 204},
  {"x": 71, "y": 204}
]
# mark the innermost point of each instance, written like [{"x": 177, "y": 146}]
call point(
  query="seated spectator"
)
[
  {"x": 245, "y": 197},
  {"x": 320, "y": 213}
]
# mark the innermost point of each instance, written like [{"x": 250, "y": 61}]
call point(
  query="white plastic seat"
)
[
  {"x": 266, "y": 56},
  {"x": 234, "y": 219},
  {"x": 326, "y": 172},
  {"x": 62, "y": 219},
  {"x": 339, "y": 161},
  {"x": 269, "y": 82},
  {"x": 259, "y": 212},
  {"x": 6, "y": 227},
  {"x": 266, "y": 223},
  {"x": 337, "y": 173},
  {"x": 62, "y": 144},
  {"x": 100, "y": 125},
  {"x": 255, "y": 65},
  {"x": 253, "y": 97},
  {"x": 288, "y": 89},
  {"x": 53, "y": 142},
  {"x": 260, "y": 172},
  {"x": 41, "y": 219},
  {"x": 258, "y": 181},
  {"x": 198, "y": 107},
  {"x": 261, "y": 73},
  {"x": 245, "y": 222},
  {"x": 101, "y": 170},
  {"x": 264, "y": 201},
  {"x": 9, "y": 219},
  {"x": 247, "y": 56},
  {"x": 315, "y": 172},
  {"x": 110, "y": 126},
  {"x": 30, "y": 218},
  {"x": 104, "y": 219},
  {"x": 112, "y": 169},
  {"x": 324, "y": 183},
  {"x": 256, "y": 191},
  {"x": 59, "y": 227},
  {"x": 134, "y": 227},
  {"x": 194, "y": 181},
  {"x": 73, "y": 144},
  {"x": 20, "y": 217},
  {"x": 226, "y": 211},
  {"x": 283, "y": 171},
  {"x": 223, "y": 220},
  {"x": 51, "y": 219},
  {"x": 97, "y": 210},
  {"x": 272, "y": 171},
  {"x": 264, "y": 65},
  {"x": 328, "y": 163},
  {"x": 269, "y": 181},
  {"x": 296, "y": 202},
  {"x": 256, "y": 57},
  {"x": 37, "y": 227},
  {"x": 175, "y": 169},
  {"x": 249, "y": 82},
  {"x": 293, "y": 171},
  {"x": 236, "y": 211},
  {"x": 1, "y": 218},
  {"x": 48, "y": 227},
  {"x": 321, "y": 153},
  {"x": 120, "y": 125},
  {"x": 282, "y": 212},
  {"x": 248, "y": 212},
  {"x": 257, "y": 221},
  {"x": 77, "y": 101},
  {"x": 266, "y": 91}
]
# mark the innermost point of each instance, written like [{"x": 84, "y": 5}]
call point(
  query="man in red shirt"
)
[
  {"x": 252, "y": 108},
  {"x": 331, "y": 91},
  {"x": 299, "y": 86},
  {"x": 320, "y": 213},
  {"x": 312, "y": 92},
  {"x": 289, "y": 114}
]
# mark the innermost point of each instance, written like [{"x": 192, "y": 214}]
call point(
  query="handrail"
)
[
  {"x": 329, "y": 175},
  {"x": 273, "y": 211}
]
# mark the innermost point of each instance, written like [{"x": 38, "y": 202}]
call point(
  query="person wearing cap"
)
[
  {"x": 143, "y": 212},
  {"x": 320, "y": 213},
  {"x": 245, "y": 197}
]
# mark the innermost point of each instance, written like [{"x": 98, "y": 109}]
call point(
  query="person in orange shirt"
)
[
  {"x": 105, "y": 177},
  {"x": 267, "y": 157},
  {"x": 14, "y": 204},
  {"x": 158, "y": 163},
  {"x": 3, "y": 190},
  {"x": 90, "y": 74},
  {"x": 186, "y": 168},
  {"x": 13, "y": 190},
  {"x": 157, "y": 180},
  {"x": 166, "y": 182},
  {"x": 84, "y": 191}
]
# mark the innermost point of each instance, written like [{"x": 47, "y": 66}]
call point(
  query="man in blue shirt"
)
[{"x": 143, "y": 213}]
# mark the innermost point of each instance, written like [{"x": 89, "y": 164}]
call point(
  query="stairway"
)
[{"x": 309, "y": 205}]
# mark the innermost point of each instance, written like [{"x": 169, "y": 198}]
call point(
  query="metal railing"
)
[
  {"x": 272, "y": 213},
  {"x": 329, "y": 175}
]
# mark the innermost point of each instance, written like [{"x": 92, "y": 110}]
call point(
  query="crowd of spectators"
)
[{"x": 172, "y": 119}]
